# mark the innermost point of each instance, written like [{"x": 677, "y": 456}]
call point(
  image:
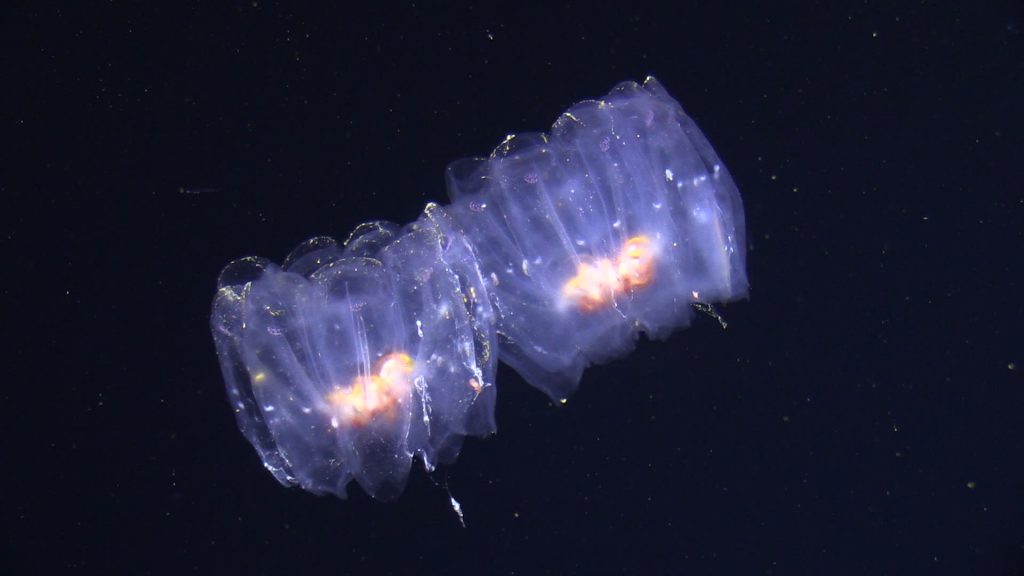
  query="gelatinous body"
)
[{"x": 556, "y": 252}]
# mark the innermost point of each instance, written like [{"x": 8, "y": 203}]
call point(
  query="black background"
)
[{"x": 860, "y": 415}]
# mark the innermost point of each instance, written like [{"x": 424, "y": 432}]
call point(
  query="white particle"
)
[{"x": 457, "y": 508}]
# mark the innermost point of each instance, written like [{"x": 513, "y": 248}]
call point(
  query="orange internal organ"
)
[
  {"x": 373, "y": 396},
  {"x": 597, "y": 283},
  {"x": 636, "y": 263}
]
